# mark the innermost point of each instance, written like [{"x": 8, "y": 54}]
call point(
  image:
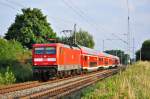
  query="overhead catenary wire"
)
[
  {"x": 7, "y": 5},
  {"x": 64, "y": 20},
  {"x": 15, "y": 3},
  {"x": 79, "y": 14},
  {"x": 110, "y": 39},
  {"x": 83, "y": 16}
]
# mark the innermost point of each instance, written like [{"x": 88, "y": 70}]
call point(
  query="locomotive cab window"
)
[
  {"x": 39, "y": 50},
  {"x": 46, "y": 50},
  {"x": 50, "y": 50}
]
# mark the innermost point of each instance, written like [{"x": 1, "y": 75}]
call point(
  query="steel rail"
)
[
  {"x": 14, "y": 87},
  {"x": 66, "y": 88}
]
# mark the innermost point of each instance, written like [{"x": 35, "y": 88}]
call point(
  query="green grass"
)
[{"x": 133, "y": 83}]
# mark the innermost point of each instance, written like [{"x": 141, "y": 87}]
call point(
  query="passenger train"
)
[{"x": 60, "y": 60}]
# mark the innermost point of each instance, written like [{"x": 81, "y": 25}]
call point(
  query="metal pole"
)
[
  {"x": 74, "y": 33},
  {"x": 65, "y": 32},
  {"x": 128, "y": 32},
  {"x": 121, "y": 58},
  {"x": 133, "y": 49},
  {"x": 116, "y": 52},
  {"x": 103, "y": 46},
  {"x": 140, "y": 54}
]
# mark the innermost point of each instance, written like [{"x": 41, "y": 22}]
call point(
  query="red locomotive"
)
[{"x": 58, "y": 59}]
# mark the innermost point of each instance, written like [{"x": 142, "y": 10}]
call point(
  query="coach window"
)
[
  {"x": 85, "y": 58},
  {"x": 100, "y": 59},
  {"x": 106, "y": 62},
  {"x": 116, "y": 61}
]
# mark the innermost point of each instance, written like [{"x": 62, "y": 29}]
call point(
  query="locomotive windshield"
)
[
  {"x": 50, "y": 50},
  {"x": 39, "y": 50},
  {"x": 45, "y": 50}
]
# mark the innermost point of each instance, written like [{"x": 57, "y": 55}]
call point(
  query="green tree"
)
[
  {"x": 137, "y": 55},
  {"x": 30, "y": 27},
  {"x": 145, "y": 51},
  {"x": 83, "y": 38}
]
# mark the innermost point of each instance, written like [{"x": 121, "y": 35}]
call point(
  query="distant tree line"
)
[
  {"x": 83, "y": 38},
  {"x": 144, "y": 52}
]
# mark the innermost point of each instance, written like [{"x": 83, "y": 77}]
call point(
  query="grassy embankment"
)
[
  {"x": 133, "y": 83},
  {"x": 15, "y": 64}
]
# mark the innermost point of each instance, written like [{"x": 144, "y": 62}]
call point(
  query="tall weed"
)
[
  {"x": 7, "y": 78},
  {"x": 133, "y": 83}
]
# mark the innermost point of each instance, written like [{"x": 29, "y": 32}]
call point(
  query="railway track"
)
[
  {"x": 15, "y": 87},
  {"x": 67, "y": 88},
  {"x": 26, "y": 85},
  {"x": 55, "y": 88}
]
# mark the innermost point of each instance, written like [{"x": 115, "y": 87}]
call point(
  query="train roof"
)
[
  {"x": 101, "y": 54},
  {"x": 89, "y": 51},
  {"x": 48, "y": 44},
  {"x": 106, "y": 54},
  {"x": 112, "y": 56},
  {"x": 54, "y": 44}
]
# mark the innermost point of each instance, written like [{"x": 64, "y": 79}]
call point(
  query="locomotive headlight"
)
[
  {"x": 51, "y": 59},
  {"x": 38, "y": 59}
]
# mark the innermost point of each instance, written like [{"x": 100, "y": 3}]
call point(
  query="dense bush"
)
[
  {"x": 8, "y": 77},
  {"x": 14, "y": 55}
]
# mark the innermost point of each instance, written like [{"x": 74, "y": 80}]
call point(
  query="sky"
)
[{"x": 104, "y": 19}]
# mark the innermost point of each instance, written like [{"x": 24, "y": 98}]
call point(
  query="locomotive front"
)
[{"x": 44, "y": 61}]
